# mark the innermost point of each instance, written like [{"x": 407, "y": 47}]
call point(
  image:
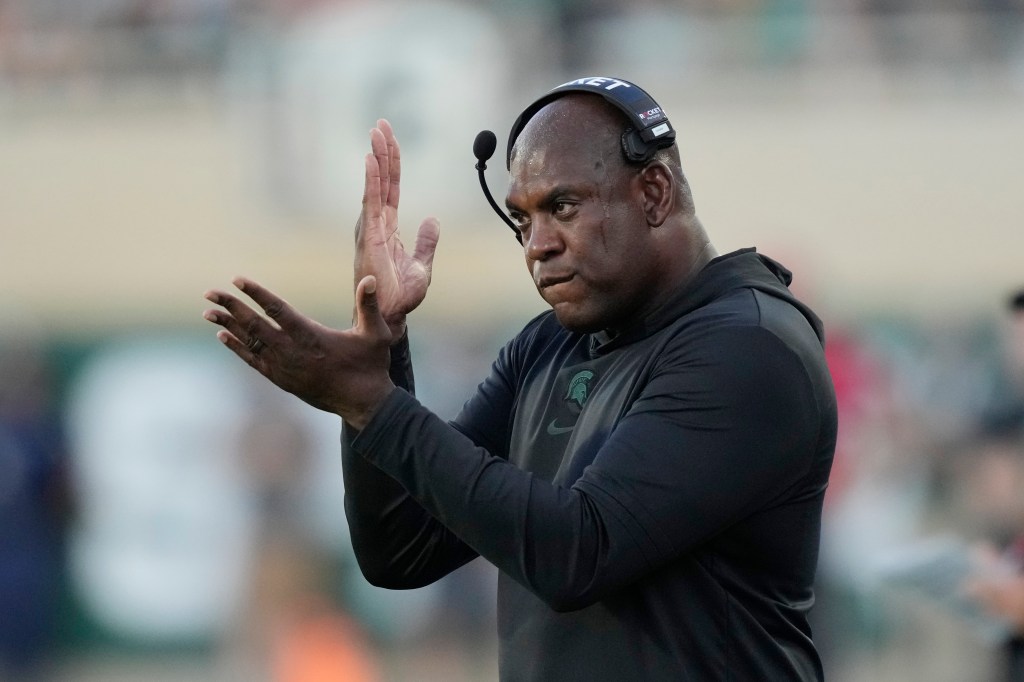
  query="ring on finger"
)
[{"x": 255, "y": 345}]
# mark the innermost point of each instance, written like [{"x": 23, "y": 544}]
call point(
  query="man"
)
[
  {"x": 1000, "y": 591},
  {"x": 645, "y": 463}
]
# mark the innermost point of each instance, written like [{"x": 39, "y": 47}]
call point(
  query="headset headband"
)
[{"x": 649, "y": 128}]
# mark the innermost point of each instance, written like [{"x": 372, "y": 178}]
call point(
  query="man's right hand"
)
[{"x": 402, "y": 279}]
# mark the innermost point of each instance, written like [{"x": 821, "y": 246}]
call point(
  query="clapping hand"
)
[
  {"x": 345, "y": 372},
  {"x": 402, "y": 278}
]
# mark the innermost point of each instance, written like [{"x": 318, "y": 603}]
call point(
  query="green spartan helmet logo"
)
[{"x": 579, "y": 388}]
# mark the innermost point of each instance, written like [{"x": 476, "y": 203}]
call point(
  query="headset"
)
[{"x": 648, "y": 131}]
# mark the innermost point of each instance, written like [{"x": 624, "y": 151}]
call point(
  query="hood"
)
[{"x": 743, "y": 269}]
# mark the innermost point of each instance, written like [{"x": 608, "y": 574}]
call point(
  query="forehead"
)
[
  {"x": 570, "y": 141},
  {"x": 542, "y": 172}
]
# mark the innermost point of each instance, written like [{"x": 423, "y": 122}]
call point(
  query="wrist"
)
[
  {"x": 398, "y": 327},
  {"x": 358, "y": 416}
]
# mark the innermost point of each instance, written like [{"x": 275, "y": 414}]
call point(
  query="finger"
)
[
  {"x": 239, "y": 341},
  {"x": 371, "y": 221},
  {"x": 275, "y": 307},
  {"x": 426, "y": 242},
  {"x": 395, "y": 163},
  {"x": 239, "y": 348},
  {"x": 238, "y": 319},
  {"x": 368, "y": 317},
  {"x": 379, "y": 147}
]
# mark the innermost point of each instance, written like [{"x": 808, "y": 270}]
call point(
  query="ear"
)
[{"x": 658, "y": 186}]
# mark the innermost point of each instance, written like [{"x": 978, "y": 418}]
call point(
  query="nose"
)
[{"x": 544, "y": 239}]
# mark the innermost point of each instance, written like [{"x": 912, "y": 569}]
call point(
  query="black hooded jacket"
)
[{"x": 652, "y": 500}]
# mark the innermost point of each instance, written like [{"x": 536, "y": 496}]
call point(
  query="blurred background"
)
[{"x": 165, "y": 515}]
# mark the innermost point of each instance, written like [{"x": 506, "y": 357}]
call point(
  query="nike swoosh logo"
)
[{"x": 555, "y": 430}]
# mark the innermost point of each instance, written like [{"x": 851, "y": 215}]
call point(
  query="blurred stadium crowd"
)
[
  {"x": 48, "y": 42},
  {"x": 165, "y": 516}
]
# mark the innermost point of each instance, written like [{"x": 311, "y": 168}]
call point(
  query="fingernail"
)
[{"x": 209, "y": 315}]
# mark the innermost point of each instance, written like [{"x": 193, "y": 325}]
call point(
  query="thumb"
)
[
  {"x": 368, "y": 317},
  {"x": 426, "y": 242}
]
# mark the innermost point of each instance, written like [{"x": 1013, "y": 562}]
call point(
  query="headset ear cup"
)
[{"x": 633, "y": 146}]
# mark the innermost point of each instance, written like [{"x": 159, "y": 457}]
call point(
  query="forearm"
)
[
  {"x": 544, "y": 536},
  {"x": 396, "y": 542}
]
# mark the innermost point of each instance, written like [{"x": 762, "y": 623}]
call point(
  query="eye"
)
[
  {"x": 521, "y": 221},
  {"x": 562, "y": 209}
]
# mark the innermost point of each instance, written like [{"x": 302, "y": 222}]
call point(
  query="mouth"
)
[{"x": 551, "y": 280}]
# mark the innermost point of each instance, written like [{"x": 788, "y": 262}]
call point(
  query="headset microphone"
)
[{"x": 483, "y": 149}]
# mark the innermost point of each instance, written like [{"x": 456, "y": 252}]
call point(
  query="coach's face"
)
[{"x": 581, "y": 213}]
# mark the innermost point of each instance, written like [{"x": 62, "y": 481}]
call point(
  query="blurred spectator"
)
[
  {"x": 1012, "y": 411},
  {"x": 874, "y": 503},
  {"x": 35, "y": 504},
  {"x": 1003, "y": 592},
  {"x": 291, "y": 624},
  {"x": 573, "y": 19}
]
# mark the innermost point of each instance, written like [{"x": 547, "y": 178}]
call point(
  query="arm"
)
[
  {"x": 997, "y": 583},
  {"x": 1003, "y": 597},
  {"x": 350, "y": 372},
  {"x": 396, "y": 542},
  {"x": 700, "y": 450}
]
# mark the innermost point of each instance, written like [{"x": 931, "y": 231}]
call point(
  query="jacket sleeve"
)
[
  {"x": 717, "y": 432},
  {"x": 397, "y": 543}
]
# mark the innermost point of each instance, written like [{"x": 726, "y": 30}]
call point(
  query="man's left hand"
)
[{"x": 345, "y": 372}]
